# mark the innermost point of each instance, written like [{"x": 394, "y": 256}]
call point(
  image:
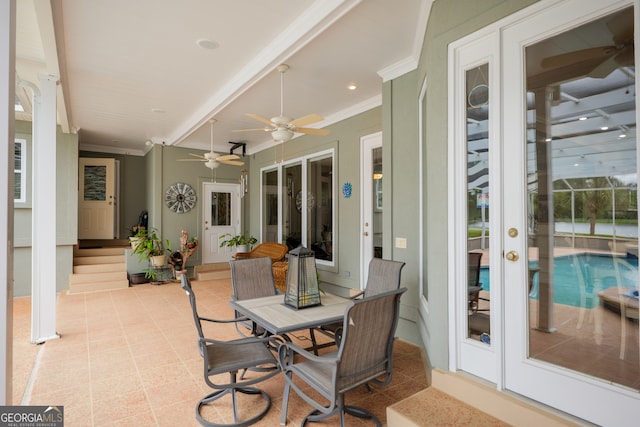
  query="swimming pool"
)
[{"x": 597, "y": 271}]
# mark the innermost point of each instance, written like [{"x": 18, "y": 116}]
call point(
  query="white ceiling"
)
[{"x": 120, "y": 61}]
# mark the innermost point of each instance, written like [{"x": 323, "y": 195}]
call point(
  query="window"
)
[
  {"x": 297, "y": 204},
  {"x": 20, "y": 171}
]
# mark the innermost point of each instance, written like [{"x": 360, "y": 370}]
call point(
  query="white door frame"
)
[
  {"x": 211, "y": 250},
  {"x": 367, "y": 144}
]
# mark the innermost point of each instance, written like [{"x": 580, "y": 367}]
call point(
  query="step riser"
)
[
  {"x": 112, "y": 259},
  {"x": 98, "y": 286},
  {"x": 212, "y": 275},
  {"x": 97, "y": 277},
  {"x": 97, "y": 252},
  {"x": 99, "y": 268}
]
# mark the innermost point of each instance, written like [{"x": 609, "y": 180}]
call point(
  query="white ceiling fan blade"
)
[
  {"x": 192, "y": 160},
  {"x": 197, "y": 155},
  {"x": 306, "y": 120},
  {"x": 232, "y": 162},
  {"x": 252, "y": 130},
  {"x": 228, "y": 157},
  {"x": 313, "y": 131},
  {"x": 259, "y": 118}
]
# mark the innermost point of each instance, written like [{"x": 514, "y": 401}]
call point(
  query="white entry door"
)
[
  {"x": 371, "y": 202},
  {"x": 220, "y": 216},
  {"x": 96, "y": 198}
]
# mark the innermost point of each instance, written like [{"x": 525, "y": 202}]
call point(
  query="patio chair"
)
[
  {"x": 229, "y": 357},
  {"x": 384, "y": 275},
  {"x": 251, "y": 278},
  {"x": 364, "y": 355},
  {"x": 277, "y": 252}
]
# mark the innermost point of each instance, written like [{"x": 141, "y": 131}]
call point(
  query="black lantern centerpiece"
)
[{"x": 302, "y": 280}]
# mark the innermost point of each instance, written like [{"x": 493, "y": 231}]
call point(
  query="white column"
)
[
  {"x": 7, "y": 135},
  {"x": 43, "y": 252}
]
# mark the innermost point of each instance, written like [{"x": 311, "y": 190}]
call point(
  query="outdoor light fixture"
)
[{"x": 302, "y": 279}]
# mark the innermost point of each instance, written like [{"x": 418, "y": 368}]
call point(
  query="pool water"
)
[{"x": 578, "y": 278}]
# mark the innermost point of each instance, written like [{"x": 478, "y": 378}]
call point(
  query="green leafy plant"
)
[
  {"x": 238, "y": 239},
  {"x": 151, "y": 245}
]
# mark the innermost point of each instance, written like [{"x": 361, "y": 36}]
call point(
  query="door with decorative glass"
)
[{"x": 221, "y": 215}]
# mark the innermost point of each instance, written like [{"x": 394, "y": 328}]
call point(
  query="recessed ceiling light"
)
[
  {"x": 604, "y": 128},
  {"x": 352, "y": 86},
  {"x": 207, "y": 44},
  {"x": 582, "y": 118},
  {"x": 547, "y": 140}
]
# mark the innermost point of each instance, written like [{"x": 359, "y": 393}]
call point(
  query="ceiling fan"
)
[
  {"x": 605, "y": 59},
  {"x": 212, "y": 159},
  {"x": 282, "y": 127}
]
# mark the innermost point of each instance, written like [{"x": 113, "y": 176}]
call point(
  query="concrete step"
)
[
  {"x": 99, "y": 268},
  {"x": 89, "y": 252},
  {"x": 213, "y": 271},
  {"x": 107, "y": 259},
  {"x": 458, "y": 399},
  {"x": 78, "y": 288},
  {"x": 97, "y": 277}
]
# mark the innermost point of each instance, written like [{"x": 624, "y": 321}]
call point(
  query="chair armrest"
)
[
  {"x": 287, "y": 350},
  {"x": 239, "y": 319}
]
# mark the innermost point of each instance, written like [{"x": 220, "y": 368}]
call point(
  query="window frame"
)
[{"x": 304, "y": 163}]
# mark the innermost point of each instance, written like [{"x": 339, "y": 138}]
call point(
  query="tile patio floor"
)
[{"x": 129, "y": 358}]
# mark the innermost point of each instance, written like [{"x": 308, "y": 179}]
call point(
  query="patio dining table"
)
[{"x": 276, "y": 317}]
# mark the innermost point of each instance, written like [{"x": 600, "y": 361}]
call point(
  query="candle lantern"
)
[{"x": 302, "y": 280}]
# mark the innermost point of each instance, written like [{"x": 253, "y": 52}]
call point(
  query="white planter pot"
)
[
  {"x": 135, "y": 241},
  {"x": 157, "y": 261},
  {"x": 243, "y": 248}
]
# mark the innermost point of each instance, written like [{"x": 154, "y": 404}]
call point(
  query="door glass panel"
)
[
  {"x": 319, "y": 207},
  {"x": 220, "y": 209},
  {"x": 270, "y": 207},
  {"x": 95, "y": 183},
  {"x": 477, "y": 120},
  {"x": 376, "y": 161},
  {"x": 292, "y": 223},
  {"x": 582, "y": 200}
]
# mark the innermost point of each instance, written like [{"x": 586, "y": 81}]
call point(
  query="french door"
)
[{"x": 550, "y": 129}]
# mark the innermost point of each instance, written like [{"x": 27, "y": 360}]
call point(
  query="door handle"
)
[
  {"x": 366, "y": 233},
  {"x": 512, "y": 256}
]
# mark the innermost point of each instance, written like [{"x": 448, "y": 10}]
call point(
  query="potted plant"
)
[
  {"x": 151, "y": 249},
  {"x": 137, "y": 234},
  {"x": 242, "y": 242}
]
